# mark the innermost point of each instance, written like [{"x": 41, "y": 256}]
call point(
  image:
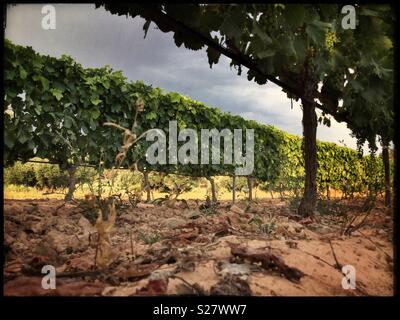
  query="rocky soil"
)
[{"x": 179, "y": 249}]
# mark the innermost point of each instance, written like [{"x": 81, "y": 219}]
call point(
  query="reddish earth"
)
[{"x": 168, "y": 250}]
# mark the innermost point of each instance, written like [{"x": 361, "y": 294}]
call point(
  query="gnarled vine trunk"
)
[
  {"x": 309, "y": 200},
  {"x": 72, "y": 182},
  {"x": 309, "y": 82},
  {"x": 213, "y": 190},
  {"x": 328, "y": 193},
  {"x": 386, "y": 164},
  {"x": 233, "y": 188},
  {"x": 250, "y": 187},
  {"x": 146, "y": 186}
]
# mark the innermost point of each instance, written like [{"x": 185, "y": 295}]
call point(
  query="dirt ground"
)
[{"x": 261, "y": 250}]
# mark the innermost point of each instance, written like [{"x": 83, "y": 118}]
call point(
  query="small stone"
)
[
  {"x": 236, "y": 209},
  {"x": 231, "y": 285},
  {"x": 61, "y": 241},
  {"x": 8, "y": 240},
  {"x": 145, "y": 205},
  {"x": 321, "y": 229},
  {"x": 370, "y": 247},
  {"x": 235, "y": 269},
  {"x": 357, "y": 252},
  {"x": 37, "y": 226},
  {"x": 174, "y": 223},
  {"x": 254, "y": 210},
  {"x": 86, "y": 225},
  {"x": 32, "y": 208},
  {"x": 78, "y": 264},
  {"x": 47, "y": 250},
  {"x": 291, "y": 229},
  {"x": 291, "y": 244},
  {"x": 193, "y": 215},
  {"x": 161, "y": 275}
]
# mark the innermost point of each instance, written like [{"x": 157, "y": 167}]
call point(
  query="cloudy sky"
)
[{"x": 95, "y": 38}]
